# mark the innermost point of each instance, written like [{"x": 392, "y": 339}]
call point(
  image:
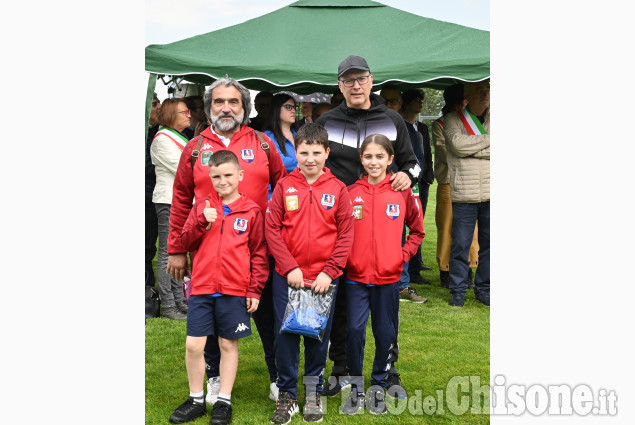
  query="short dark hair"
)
[
  {"x": 410, "y": 95},
  {"x": 322, "y": 105},
  {"x": 312, "y": 133},
  {"x": 190, "y": 101},
  {"x": 223, "y": 157}
]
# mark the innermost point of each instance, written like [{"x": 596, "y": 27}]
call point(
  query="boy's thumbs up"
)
[{"x": 210, "y": 214}]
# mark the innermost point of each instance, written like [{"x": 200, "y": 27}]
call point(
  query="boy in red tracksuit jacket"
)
[
  {"x": 228, "y": 274},
  {"x": 309, "y": 230},
  {"x": 374, "y": 269}
]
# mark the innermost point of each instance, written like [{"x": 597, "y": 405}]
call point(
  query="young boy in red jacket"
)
[
  {"x": 309, "y": 230},
  {"x": 229, "y": 271}
]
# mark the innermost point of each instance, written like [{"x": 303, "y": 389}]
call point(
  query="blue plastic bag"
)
[{"x": 307, "y": 313}]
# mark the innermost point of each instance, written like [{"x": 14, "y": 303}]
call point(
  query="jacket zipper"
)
[
  {"x": 372, "y": 234},
  {"x": 218, "y": 274},
  {"x": 308, "y": 265}
]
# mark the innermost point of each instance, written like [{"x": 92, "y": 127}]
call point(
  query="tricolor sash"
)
[
  {"x": 179, "y": 140},
  {"x": 471, "y": 123}
]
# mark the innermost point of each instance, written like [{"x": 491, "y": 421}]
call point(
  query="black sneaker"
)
[
  {"x": 335, "y": 384},
  {"x": 354, "y": 403},
  {"x": 376, "y": 403},
  {"x": 285, "y": 409},
  {"x": 395, "y": 389},
  {"x": 188, "y": 411},
  {"x": 313, "y": 410},
  {"x": 482, "y": 297},
  {"x": 221, "y": 413},
  {"x": 457, "y": 300},
  {"x": 416, "y": 278}
]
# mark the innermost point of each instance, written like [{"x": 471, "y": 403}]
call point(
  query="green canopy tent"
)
[{"x": 266, "y": 53}]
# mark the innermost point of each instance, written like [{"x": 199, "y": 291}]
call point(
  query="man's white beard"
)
[{"x": 224, "y": 125}]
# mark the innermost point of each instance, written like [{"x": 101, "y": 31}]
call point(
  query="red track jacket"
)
[
  {"x": 377, "y": 256},
  {"x": 232, "y": 255},
  {"x": 310, "y": 226},
  {"x": 259, "y": 172}
]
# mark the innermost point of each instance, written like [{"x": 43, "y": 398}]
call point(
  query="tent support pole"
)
[{"x": 152, "y": 83}]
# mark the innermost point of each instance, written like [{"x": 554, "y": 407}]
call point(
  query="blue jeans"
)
[{"x": 464, "y": 220}]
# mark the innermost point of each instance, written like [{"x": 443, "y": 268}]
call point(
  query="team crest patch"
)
[
  {"x": 292, "y": 202},
  {"x": 392, "y": 211},
  {"x": 247, "y": 155},
  {"x": 240, "y": 226},
  {"x": 327, "y": 201},
  {"x": 205, "y": 156},
  {"x": 358, "y": 212}
]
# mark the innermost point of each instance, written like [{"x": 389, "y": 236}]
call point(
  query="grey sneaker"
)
[
  {"x": 409, "y": 294},
  {"x": 376, "y": 403},
  {"x": 181, "y": 306},
  {"x": 213, "y": 388},
  {"x": 172, "y": 313},
  {"x": 285, "y": 409},
  {"x": 354, "y": 403},
  {"x": 313, "y": 410}
]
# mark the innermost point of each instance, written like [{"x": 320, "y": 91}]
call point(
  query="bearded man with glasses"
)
[{"x": 361, "y": 114}]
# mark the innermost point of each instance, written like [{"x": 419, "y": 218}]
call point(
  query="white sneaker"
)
[
  {"x": 273, "y": 391},
  {"x": 213, "y": 388}
]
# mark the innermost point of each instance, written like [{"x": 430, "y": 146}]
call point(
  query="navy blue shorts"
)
[{"x": 224, "y": 316}]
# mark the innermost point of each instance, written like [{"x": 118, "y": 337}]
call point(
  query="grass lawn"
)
[{"x": 437, "y": 342}]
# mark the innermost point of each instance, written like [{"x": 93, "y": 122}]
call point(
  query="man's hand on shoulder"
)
[{"x": 400, "y": 181}]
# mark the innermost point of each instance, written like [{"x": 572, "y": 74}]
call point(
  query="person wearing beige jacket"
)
[
  {"x": 467, "y": 135},
  {"x": 165, "y": 152}
]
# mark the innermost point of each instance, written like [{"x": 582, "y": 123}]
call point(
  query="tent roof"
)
[{"x": 299, "y": 47}]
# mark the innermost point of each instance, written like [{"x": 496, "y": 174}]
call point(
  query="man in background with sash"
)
[{"x": 468, "y": 154}]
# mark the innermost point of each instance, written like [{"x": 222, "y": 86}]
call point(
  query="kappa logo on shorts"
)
[
  {"x": 358, "y": 212},
  {"x": 292, "y": 202},
  {"x": 392, "y": 211},
  {"x": 241, "y": 327},
  {"x": 247, "y": 155},
  {"x": 205, "y": 156},
  {"x": 240, "y": 226},
  {"x": 327, "y": 201}
]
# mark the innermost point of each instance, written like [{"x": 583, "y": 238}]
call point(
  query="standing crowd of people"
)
[{"x": 254, "y": 208}]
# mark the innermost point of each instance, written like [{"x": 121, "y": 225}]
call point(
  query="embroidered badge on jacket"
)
[
  {"x": 291, "y": 202},
  {"x": 240, "y": 226},
  {"x": 205, "y": 156},
  {"x": 327, "y": 201},
  {"x": 392, "y": 211},
  {"x": 358, "y": 212},
  {"x": 247, "y": 155}
]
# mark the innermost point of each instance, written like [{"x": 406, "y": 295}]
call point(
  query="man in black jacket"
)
[{"x": 363, "y": 113}]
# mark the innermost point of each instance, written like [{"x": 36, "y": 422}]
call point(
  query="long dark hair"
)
[
  {"x": 273, "y": 119},
  {"x": 382, "y": 141}
]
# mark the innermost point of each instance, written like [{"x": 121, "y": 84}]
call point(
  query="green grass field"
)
[{"x": 437, "y": 342}]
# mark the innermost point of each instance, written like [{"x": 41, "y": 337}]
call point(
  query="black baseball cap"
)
[{"x": 352, "y": 62}]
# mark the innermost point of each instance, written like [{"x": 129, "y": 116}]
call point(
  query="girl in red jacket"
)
[{"x": 374, "y": 268}]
